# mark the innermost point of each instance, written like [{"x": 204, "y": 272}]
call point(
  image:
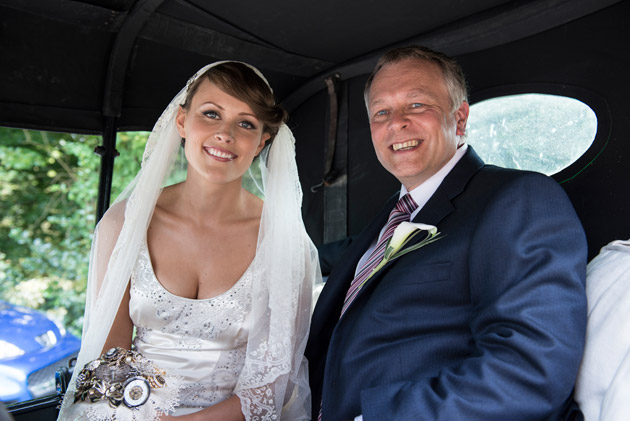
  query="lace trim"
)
[
  {"x": 161, "y": 402},
  {"x": 258, "y": 404}
]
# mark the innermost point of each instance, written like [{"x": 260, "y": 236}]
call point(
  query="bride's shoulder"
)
[{"x": 114, "y": 217}]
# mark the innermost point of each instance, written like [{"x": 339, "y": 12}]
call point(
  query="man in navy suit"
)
[{"x": 487, "y": 322}]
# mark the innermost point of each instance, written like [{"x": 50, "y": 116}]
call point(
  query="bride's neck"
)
[{"x": 212, "y": 202}]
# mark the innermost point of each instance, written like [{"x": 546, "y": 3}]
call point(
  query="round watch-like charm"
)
[{"x": 136, "y": 392}]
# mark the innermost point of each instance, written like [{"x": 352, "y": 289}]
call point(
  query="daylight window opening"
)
[
  {"x": 48, "y": 189},
  {"x": 538, "y": 132}
]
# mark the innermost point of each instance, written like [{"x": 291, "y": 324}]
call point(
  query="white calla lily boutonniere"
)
[{"x": 404, "y": 233}]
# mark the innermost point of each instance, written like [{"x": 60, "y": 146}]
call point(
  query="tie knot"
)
[{"x": 406, "y": 204}]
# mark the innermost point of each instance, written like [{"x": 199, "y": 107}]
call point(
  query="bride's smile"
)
[{"x": 219, "y": 153}]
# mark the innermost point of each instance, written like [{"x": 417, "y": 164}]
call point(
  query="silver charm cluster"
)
[{"x": 119, "y": 376}]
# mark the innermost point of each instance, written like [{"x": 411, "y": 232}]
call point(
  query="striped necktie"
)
[{"x": 401, "y": 212}]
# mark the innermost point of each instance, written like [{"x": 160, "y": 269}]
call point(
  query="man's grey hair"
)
[{"x": 453, "y": 74}]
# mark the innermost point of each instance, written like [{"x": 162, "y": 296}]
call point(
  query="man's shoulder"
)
[
  {"x": 509, "y": 173},
  {"x": 496, "y": 175},
  {"x": 472, "y": 173},
  {"x": 493, "y": 184}
]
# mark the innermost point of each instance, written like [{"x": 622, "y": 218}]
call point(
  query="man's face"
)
[{"x": 413, "y": 127}]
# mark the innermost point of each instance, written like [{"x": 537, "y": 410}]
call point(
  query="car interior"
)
[{"x": 101, "y": 67}]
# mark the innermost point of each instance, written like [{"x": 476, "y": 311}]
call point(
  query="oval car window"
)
[{"x": 539, "y": 132}]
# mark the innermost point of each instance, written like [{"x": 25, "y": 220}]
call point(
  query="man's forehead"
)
[{"x": 410, "y": 92}]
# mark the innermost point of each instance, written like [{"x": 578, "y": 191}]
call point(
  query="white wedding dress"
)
[
  {"x": 248, "y": 341},
  {"x": 203, "y": 342}
]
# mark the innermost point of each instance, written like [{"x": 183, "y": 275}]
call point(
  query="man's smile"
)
[{"x": 403, "y": 146}]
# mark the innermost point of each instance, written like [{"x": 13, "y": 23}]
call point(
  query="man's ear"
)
[
  {"x": 461, "y": 118},
  {"x": 180, "y": 119},
  {"x": 263, "y": 140}
]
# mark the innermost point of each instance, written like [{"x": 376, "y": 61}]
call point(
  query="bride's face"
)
[{"x": 223, "y": 135}]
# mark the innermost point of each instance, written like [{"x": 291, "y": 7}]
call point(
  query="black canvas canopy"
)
[{"x": 69, "y": 64}]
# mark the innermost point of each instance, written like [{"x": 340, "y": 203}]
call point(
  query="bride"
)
[{"x": 199, "y": 293}]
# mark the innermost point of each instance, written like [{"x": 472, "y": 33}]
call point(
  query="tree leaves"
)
[{"x": 48, "y": 194}]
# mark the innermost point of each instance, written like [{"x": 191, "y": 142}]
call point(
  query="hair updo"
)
[{"x": 241, "y": 82}]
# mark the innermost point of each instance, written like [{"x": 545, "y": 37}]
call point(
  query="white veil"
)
[{"x": 274, "y": 381}]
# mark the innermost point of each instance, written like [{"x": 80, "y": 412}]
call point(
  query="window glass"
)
[
  {"x": 539, "y": 132},
  {"x": 48, "y": 194}
]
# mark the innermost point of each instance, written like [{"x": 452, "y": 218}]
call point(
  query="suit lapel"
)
[{"x": 439, "y": 206}]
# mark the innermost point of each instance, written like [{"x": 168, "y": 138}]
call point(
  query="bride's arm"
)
[
  {"x": 109, "y": 229},
  {"x": 122, "y": 329},
  {"x": 228, "y": 410}
]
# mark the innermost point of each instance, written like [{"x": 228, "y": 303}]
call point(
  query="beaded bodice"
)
[{"x": 202, "y": 341}]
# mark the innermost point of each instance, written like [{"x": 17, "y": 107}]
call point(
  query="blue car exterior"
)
[{"x": 32, "y": 348}]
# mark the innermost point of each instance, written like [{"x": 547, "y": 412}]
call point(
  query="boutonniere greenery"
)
[{"x": 403, "y": 234}]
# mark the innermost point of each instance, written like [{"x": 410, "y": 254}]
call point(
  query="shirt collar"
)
[{"x": 424, "y": 191}]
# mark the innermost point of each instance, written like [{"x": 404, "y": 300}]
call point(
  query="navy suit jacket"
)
[{"x": 486, "y": 323}]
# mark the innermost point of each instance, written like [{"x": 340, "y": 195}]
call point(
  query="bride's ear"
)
[
  {"x": 263, "y": 140},
  {"x": 180, "y": 119}
]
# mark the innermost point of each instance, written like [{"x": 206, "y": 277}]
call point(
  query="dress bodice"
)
[{"x": 201, "y": 340}]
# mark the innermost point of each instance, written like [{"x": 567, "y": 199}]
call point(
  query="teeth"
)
[
  {"x": 220, "y": 154},
  {"x": 405, "y": 145}
]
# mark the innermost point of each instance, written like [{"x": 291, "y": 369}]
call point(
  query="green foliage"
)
[{"x": 48, "y": 192}]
